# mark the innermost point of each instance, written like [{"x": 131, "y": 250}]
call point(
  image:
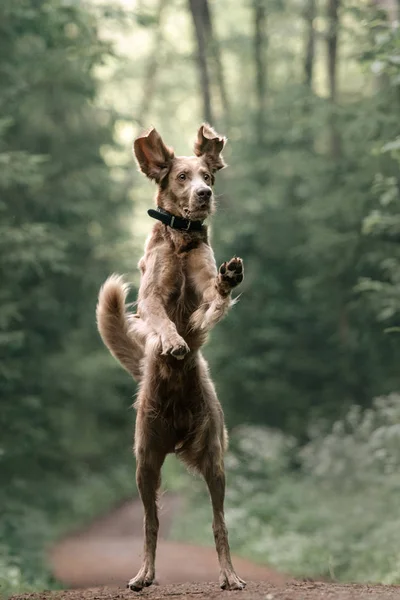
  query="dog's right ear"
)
[{"x": 153, "y": 156}]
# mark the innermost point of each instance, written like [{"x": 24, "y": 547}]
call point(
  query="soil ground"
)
[
  {"x": 108, "y": 553},
  {"x": 210, "y": 591}
]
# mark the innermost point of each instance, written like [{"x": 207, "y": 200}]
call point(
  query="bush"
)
[{"x": 335, "y": 517}]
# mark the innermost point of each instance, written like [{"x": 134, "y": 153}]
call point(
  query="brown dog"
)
[{"x": 181, "y": 297}]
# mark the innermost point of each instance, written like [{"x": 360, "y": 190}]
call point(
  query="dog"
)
[{"x": 182, "y": 295}]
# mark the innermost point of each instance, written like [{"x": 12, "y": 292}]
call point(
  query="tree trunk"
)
[
  {"x": 332, "y": 39},
  {"x": 149, "y": 85},
  {"x": 215, "y": 56},
  {"x": 309, "y": 16},
  {"x": 334, "y": 134},
  {"x": 198, "y": 15},
  {"x": 260, "y": 44}
]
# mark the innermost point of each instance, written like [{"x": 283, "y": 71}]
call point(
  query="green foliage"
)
[
  {"x": 382, "y": 224},
  {"x": 59, "y": 211},
  {"x": 298, "y": 210},
  {"x": 336, "y": 517}
]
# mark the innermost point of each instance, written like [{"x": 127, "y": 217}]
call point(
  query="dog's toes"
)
[
  {"x": 179, "y": 352},
  {"x": 236, "y": 265},
  {"x": 134, "y": 587},
  {"x": 231, "y": 272},
  {"x": 175, "y": 346},
  {"x": 136, "y": 584},
  {"x": 222, "y": 268},
  {"x": 239, "y": 278},
  {"x": 230, "y": 581},
  {"x": 237, "y": 585}
]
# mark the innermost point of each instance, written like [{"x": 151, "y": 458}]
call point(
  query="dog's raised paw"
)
[{"x": 231, "y": 272}]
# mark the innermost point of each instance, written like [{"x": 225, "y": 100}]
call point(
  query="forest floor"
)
[{"x": 108, "y": 553}]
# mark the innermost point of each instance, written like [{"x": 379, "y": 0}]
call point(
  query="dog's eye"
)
[
  {"x": 182, "y": 176},
  {"x": 206, "y": 177}
]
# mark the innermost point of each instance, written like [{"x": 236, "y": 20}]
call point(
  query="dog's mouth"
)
[{"x": 197, "y": 214}]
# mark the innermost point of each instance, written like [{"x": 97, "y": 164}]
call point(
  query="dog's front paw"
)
[
  {"x": 231, "y": 274},
  {"x": 175, "y": 345}
]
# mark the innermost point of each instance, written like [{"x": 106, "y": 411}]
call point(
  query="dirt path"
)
[
  {"x": 210, "y": 591},
  {"x": 109, "y": 552}
]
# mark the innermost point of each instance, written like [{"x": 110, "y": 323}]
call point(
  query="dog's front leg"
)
[
  {"x": 153, "y": 312},
  {"x": 217, "y": 294},
  {"x": 153, "y": 297}
]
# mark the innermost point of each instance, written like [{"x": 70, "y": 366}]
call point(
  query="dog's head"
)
[{"x": 185, "y": 182}]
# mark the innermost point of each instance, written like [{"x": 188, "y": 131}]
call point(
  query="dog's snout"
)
[{"x": 204, "y": 194}]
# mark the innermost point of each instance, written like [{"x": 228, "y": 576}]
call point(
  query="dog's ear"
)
[
  {"x": 153, "y": 156},
  {"x": 210, "y": 145}
]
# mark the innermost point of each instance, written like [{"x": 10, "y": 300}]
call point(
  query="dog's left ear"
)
[{"x": 210, "y": 145}]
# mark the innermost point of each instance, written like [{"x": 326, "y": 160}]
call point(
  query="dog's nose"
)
[{"x": 204, "y": 194}]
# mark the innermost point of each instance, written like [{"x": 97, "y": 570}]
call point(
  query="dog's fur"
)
[{"x": 181, "y": 297}]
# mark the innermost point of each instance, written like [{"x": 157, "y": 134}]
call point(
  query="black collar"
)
[{"x": 175, "y": 222}]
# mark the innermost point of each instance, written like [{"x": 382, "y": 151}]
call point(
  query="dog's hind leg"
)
[
  {"x": 148, "y": 479},
  {"x": 150, "y": 457},
  {"x": 205, "y": 454},
  {"x": 213, "y": 472}
]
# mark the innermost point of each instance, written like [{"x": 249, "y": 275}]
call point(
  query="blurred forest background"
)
[{"x": 307, "y": 363}]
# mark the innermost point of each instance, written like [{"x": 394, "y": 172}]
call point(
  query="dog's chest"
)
[{"x": 183, "y": 299}]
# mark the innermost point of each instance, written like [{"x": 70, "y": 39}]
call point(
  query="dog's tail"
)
[{"x": 113, "y": 325}]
